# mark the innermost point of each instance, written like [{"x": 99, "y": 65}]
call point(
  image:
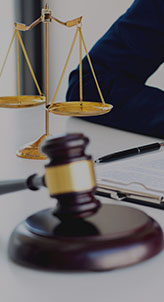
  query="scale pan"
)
[
  {"x": 80, "y": 108},
  {"x": 21, "y": 101}
]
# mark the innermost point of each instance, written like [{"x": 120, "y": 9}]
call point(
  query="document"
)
[{"x": 140, "y": 178}]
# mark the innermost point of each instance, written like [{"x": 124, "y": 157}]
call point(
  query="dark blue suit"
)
[{"x": 123, "y": 59}]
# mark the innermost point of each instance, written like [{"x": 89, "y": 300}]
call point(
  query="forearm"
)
[
  {"x": 123, "y": 59},
  {"x": 137, "y": 107}
]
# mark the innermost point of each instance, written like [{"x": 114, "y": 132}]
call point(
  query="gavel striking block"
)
[{"x": 80, "y": 233}]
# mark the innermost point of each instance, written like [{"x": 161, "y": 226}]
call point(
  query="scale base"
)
[
  {"x": 115, "y": 237},
  {"x": 32, "y": 151}
]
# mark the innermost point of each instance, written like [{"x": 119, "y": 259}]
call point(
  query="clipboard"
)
[
  {"x": 136, "y": 197},
  {"x": 136, "y": 180}
]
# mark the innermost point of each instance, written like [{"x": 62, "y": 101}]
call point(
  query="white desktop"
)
[{"x": 142, "y": 282}]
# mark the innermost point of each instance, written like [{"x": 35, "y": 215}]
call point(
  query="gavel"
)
[
  {"x": 78, "y": 234},
  {"x": 69, "y": 177}
]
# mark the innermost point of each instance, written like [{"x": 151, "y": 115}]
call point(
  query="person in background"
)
[{"x": 123, "y": 59}]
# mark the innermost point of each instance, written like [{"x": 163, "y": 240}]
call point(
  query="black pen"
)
[{"x": 129, "y": 153}]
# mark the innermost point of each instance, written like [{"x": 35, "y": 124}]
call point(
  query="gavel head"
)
[{"x": 70, "y": 176}]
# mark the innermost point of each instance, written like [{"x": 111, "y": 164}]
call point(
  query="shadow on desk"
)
[{"x": 105, "y": 140}]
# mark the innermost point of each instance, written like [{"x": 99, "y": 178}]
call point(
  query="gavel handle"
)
[{"x": 33, "y": 182}]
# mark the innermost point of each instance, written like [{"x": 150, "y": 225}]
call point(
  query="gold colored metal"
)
[
  {"x": 11, "y": 42},
  {"x": 46, "y": 17},
  {"x": 74, "y": 22},
  {"x": 67, "y": 178},
  {"x": 32, "y": 150},
  {"x": 29, "y": 64},
  {"x": 21, "y": 101},
  {"x": 47, "y": 73},
  {"x": 75, "y": 108},
  {"x": 20, "y": 26},
  {"x": 69, "y": 23},
  {"x": 91, "y": 66},
  {"x": 80, "y": 68},
  {"x": 24, "y": 27},
  {"x": 65, "y": 66},
  {"x": 80, "y": 109},
  {"x": 18, "y": 65}
]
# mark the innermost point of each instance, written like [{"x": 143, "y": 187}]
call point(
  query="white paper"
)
[{"x": 143, "y": 173}]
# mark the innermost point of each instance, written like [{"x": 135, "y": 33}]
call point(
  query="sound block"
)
[{"x": 116, "y": 236}]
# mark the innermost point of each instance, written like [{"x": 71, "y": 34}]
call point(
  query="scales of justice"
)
[{"x": 75, "y": 108}]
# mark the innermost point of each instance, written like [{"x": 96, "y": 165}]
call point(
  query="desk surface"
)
[{"x": 142, "y": 282}]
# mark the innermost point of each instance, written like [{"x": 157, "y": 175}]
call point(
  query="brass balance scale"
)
[{"x": 74, "y": 108}]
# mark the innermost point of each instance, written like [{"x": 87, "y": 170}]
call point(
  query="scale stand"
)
[
  {"x": 32, "y": 151},
  {"x": 74, "y": 108}
]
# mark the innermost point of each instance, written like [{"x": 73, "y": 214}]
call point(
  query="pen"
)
[{"x": 129, "y": 153}]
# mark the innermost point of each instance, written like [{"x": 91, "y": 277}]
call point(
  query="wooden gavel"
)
[
  {"x": 68, "y": 236},
  {"x": 69, "y": 177}
]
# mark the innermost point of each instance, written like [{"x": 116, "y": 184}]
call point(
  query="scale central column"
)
[
  {"x": 32, "y": 150},
  {"x": 47, "y": 73}
]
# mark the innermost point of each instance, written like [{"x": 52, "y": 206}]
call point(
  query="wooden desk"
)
[{"x": 142, "y": 282}]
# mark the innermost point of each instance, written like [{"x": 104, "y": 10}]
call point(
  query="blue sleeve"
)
[{"x": 123, "y": 59}]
